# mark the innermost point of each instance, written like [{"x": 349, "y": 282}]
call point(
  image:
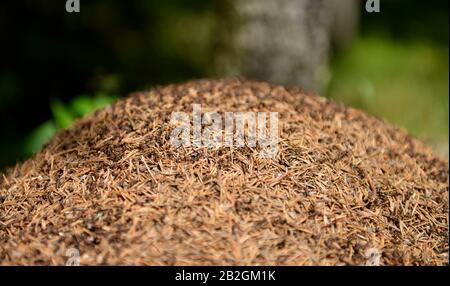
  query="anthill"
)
[{"x": 343, "y": 188}]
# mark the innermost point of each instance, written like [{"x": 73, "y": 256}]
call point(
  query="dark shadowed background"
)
[{"x": 57, "y": 66}]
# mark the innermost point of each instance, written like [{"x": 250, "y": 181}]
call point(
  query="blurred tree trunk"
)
[{"x": 284, "y": 41}]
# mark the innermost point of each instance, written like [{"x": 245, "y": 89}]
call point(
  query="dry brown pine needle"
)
[{"x": 345, "y": 188}]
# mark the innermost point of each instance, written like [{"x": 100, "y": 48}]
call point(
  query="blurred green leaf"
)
[
  {"x": 101, "y": 100},
  {"x": 39, "y": 136},
  {"x": 82, "y": 105},
  {"x": 63, "y": 116}
]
